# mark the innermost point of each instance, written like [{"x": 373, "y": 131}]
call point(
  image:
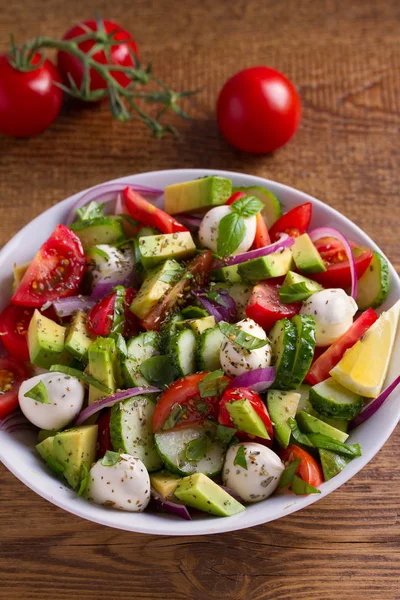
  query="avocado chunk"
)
[
  {"x": 18, "y": 273},
  {"x": 45, "y": 341},
  {"x": 332, "y": 463},
  {"x": 265, "y": 267},
  {"x": 101, "y": 230},
  {"x": 305, "y": 255},
  {"x": 201, "y": 492},
  {"x": 157, "y": 282},
  {"x": 103, "y": 360},
  {"x": 200, "y": 325},
  {"x": 78, "y": 339},
  {"x": 75, "y": 449},
  {"x": 227, "y": 274},
  {"x": 297, "y": 288},
  {"x": 246, "y": 419},
  {"x": 145, "y": 231},
  {"x": 197, "y": 194},
  {"x": 47, "y": 451},
  {"x": 44, "y": 434},
  {"x": 340, "y": 424},
  {"x": 310, "y": 424},
  {"x": 155, "y": 249},
  {"x": 165, "y": 483},
  {"x": 281, "y": 406}
]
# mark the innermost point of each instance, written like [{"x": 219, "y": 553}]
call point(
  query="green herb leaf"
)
[
  {"x": 301, "y": 487},
  {"x": 296, "y": 292},
  {"x": 157, "y": 370},
  {"x": 327, "y": 443},
  {"x": 38, "y": 393},
  {"x": 240, "y": 458},
  {"x": 100, "y": 252},
  {"x": 212, "y": 384},
  {"x": 288, "y": 474},
  {"x": 110, "y": 458},
  {"x": 174, "y": 417},
  {"x": 93, "y": 210},
  {"x": 82, "y": 377},
  {"x": 130, "y": 220},
  {"x": 84, "y": 479},
  {"x": 193, "y": 312},
  {"x": 231, "y": 231},
  {"x": 300, "y": 437},
  {"x": 196, "y": 449},
  {"x": 118, "y": 322},
  {"x": 247, "y": 206},
  {"x": 225, "y": 434},
  {"x": 241, "y": 338},
  {"x": 201, "y": 407},
  {"x": 216, "y": 297}
]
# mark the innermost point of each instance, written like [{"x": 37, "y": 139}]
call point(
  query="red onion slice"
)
[
  {"x": 258, "y": 380},
  {"x": 168, "y": 506},
  {"x": 189, "y": 220},
  {"x": 219, "y": 312},
  {"x": 109, "y": 401},
  {"x": 65, "y": 307},
  {"x": 372, "y": 406},
  {"x": 104, "y": 286},
  {"x": 16, "y": 421},
  {"x": 284, "y": 242},
  {"x": 321, "y": 232},
  {"x": 119, "y": 208}
]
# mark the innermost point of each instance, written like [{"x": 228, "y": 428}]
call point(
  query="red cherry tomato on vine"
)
[
  {"x": 258, "y": 110},
  {"x": 29, "y": 100}
]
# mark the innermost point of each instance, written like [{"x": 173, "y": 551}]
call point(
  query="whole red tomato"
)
[
  {"x": 29, "y": 100},
  {"x": 258, "y": 110},
  {"x": 120, "y": 55}
]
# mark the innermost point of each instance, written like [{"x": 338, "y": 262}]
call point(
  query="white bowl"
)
[{"x": 17, "y": 450}]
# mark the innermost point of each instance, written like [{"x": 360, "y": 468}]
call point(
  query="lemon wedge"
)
[{"x": 363, "y": 368}]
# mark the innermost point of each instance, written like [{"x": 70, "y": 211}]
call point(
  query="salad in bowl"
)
[{"x": 195, "y": 349}]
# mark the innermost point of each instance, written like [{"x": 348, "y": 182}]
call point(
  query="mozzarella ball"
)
[
  {"x": 236, "y": 360},
  {"x": 333, "y": 311},
  {"x": 65, "y": 395},
  {"x": 208, "y": 231},
  {"x": 117, "y": 265},
  {"x": 125, "y": 485},
  {"x": 260, "y": 479}
]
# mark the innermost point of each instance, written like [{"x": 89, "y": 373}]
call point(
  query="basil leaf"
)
[
  {"x": 302, "y": 438},
  {"x": 225, "y": 434},
  {"x": 38, "y": 393},
  {"x": 247, "y": 206},
  {"x": 288, "y": 474},
  {"x": 157, "y": 370},
  {"x": 296, "y": 292},
  {"x": 218, "y": 298},
  {"x": 194, "y": 312},
  {"x": 110, "y": 458},
  {"x": 82, "y": 377},
  {"x": 327, "y": 443},
  {"x": 196, "y": 449},
  {"x": 212, "y": 384},
  {"x": 93, "y": 210},
  {"x": 241, "y": 338},
  {"x": 332, "y": 463},
  {"x": 175, "y": 415},
  {"x": 301, "y": 487},
  {"x": 100, "y": 252},
  {"x": 84, "y": 479},
  {"x": 231, "y": 231},
  {"x": 240, "y": 458}
]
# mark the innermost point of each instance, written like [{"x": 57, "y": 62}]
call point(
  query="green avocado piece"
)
[
  {"x": 200, "y": 325},
  {"x": 282, "y": 405},
  {"x": 246, "y": 419},
  {"x": 74, "y": 449},
  {"x": 165, "y": 483},
  {"x": 157, "y": 282},
  {"x": 101, "y": 230},
  {"x": 45, "y": 433},
  {"x": 155, "y": 249},
  {"x": 78, "y": 339},
  {"x": 198, "y": 194},
  {"x": 47, "y": 451},
  {"x": 310, "y": 424},
  {"x": 332, "y": 463},
  {"x": 227, "y": 274},
  {"x": 305, "y": 255},
  {"x": 297, "y": 288},
  {"x": 265, "y": 267},
  {"x": 201, "y": 492},
  {"x": 103, "y": 359},
  {"x": 45, "y": 341}
]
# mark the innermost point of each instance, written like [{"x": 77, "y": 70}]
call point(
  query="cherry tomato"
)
[
  {"x": 12, "y": 374},
  {"x": 14, "y": 323},
  {"x": 338, "y": 272},
  {"x": 309, "y": 470},
  {"x": 103, "y": 434},
  {"x": 262, "y": 237},
  {"x": 265, "y": 306},
  {"x": 150, "y": 215},
  {"x": 120, "y": 54},
  {"x": 185, "y": 393},
  {"x": 29, "y": 100},
  {"x": 55, "y": 272},
  {"x": 258, "y": 110},
  {"x": 224, "y": 417},
  {"x": 327, "y": 360},
  {"x": 295, "y": 222}
]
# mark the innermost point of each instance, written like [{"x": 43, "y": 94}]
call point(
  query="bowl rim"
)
[{"x": 207, "y": 525}]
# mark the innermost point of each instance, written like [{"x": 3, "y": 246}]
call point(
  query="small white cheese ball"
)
[
  {"x": 236, "y": 360},
  {"x": 208, "y": 231},
  {"x": 65, "y": 395},
  {"x": 125, "y": 485},
  {"x": 118, "y": 264},
  {"x": 260, "y": 479},
  {"x": 333, "y": 311}
]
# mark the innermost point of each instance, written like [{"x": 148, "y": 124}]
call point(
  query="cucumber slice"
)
[
  {"x": 305, "y": 347},
  {"x": 272, "y": 207},
  {"x": 304, "y": 402},
  {"x": 171, "y": 447},
  {"x": 102, "y": 230},
  {"x": 330, "y": 399},
  {"x": 139, "y": 348},
  {"x": 282, "y": 405},
  {"x": 182, "y": 351},
  {"x": 208, "y": 347},
  {"x": 131, "y": 430},
  {"x": 373, "y": 286},
  {"x": 168, "y": 331},
  {"x": 283, "y": 338}
]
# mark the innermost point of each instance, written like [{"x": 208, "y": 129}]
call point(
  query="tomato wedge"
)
[
  {"x": 224, "y": 418},
  {"x": 265, "y": 306},
  {"x": 309, "y": 470},
  {"x": 55, "y": 272},
  {"x": 185, "y": 393},
  {"x": 320, "y": 368},
  {"x": 338, "y": 272},
  {"x": 12, "y": 374},
  {"x": 14, "y": 323},
  {"x": 262, "y": 237},
  {"x": 150, "y": 215},
  {"x": 235, "y": 196},
  {"x": 294, "y": 223},
  {"x": 102, "y": 316}
]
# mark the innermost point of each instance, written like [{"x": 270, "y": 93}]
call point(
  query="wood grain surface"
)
[{"x": 344, "y": 57}]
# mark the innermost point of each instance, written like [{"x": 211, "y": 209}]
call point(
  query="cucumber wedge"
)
[
  {"x": 182, "y": 351},
  {"x": 283, "y": 337},
  {"x": 330, "y": 399},
  {"x": 305, "y": 347},
  {"x": 272, "y": 207},
  {"x": 208, "y": 347},
  {"x": 139, "y": 348},
  {"x": 373, "y": 286},
  {"x": 282, "y": 405},
  {"x": 311, "y": 424}
]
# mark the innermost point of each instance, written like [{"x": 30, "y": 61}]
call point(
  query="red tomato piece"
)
[
  {"x": 265, "y": 306},
  {"x": 309, "y": 470},
  {"x": 235, "y": 196},
  {"x": 12, "y": 374},
  {"x": 14, "y": 323},
  {"x": 150, "y": 215},
  {"x": 262, "y": 237},
  {"x": 132, "y": 325},
  {"x": 55, "y": 272},
  {"x": 103, "y": 435},
  {"x": 321, "y": 367},
  {"x": 224, "y": 417},
  {"x": 338, "y": 272},
  {"x": 100, "y": 317},
  {"x": 294, "y": 223}
]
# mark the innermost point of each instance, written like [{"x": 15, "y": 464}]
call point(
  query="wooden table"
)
[{"x": 344, "y": 57}]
